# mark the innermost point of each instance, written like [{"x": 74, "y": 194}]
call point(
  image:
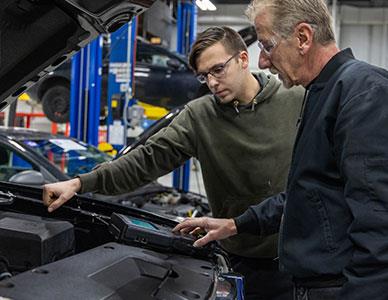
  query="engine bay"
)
[{"x": 74, "y": 253}]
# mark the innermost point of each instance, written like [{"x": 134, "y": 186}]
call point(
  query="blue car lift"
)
[
  {"x": 86, "y": 80},
  {"x": 187, "y": 28},
  {"x": 121, "y": 76},
  {"x": 85, "y": 85},
  {"x": 85, "y": 92}
]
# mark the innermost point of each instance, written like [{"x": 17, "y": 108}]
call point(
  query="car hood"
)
[{"x": 37, "y": 36}]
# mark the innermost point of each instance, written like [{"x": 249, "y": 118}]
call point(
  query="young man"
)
[
  {"x": 333, "y": 216},
  {"x": 242, "y": 135}
]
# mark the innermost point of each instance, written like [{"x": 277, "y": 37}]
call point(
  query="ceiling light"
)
[
  {"x": 205, "y": 5},
  {"x": 210, "y": 5},
  {"x": 201, "y": 4}
]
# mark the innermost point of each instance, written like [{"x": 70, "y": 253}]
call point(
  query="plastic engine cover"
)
[{"x": 30, "y": 241}]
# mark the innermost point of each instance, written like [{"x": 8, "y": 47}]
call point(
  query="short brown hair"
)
[
  {"x": 288, "y": 13},
  {"x": 229, "y": 38}
]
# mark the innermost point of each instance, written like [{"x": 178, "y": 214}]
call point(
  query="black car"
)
[
  {"x": 162, "y": 78},
  {"x": 88, "y": 249}
]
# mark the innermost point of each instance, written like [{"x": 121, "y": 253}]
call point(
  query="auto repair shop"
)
[{"x": 129, "y": 117}]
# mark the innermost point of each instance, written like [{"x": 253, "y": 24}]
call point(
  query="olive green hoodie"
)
[{"x": 244, "y": 152}]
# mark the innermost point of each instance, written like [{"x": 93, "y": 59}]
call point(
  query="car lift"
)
[
  {"x": 86, "y": 80},
  {"x": 122, "y": 53},
  {"x": 85, "y": 92},
  {"x": 186, "y": 23}
]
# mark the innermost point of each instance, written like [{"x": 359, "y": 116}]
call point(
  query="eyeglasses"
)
[
  {"x": 218, "y": 71},
  {"x": 268, "y": 46}
]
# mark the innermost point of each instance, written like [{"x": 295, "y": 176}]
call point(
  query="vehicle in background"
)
[
  {"x": 35, "y": 158},
  {"x": 56, "y": 157},
  {"x": 162, "y": 78},
  {"x": 53, "y": 92}
]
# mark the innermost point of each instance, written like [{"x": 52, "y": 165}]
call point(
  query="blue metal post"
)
[
  {"x": 193, "y": 24},
  {"x": 131, "y": 58},
  {"x": 187, "y": 27},
  {"x": 117, "y": 62},
  {"x": 94, "y": 91},
  {"x": 132, "y": 55},
  {"x": 179, "y": 27},
  {"x": 121, "y": 70},
  {"x": 85, "y": 92},
  {"x": 75, "y": 90}
]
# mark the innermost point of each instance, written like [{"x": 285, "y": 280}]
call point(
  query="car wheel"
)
[{"x": 56, "y": 104}]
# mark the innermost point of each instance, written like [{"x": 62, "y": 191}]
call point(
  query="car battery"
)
[{"x": 31, "y": 241}]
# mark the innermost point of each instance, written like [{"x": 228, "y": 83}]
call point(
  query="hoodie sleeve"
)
[{"x": 163, "y": 152}]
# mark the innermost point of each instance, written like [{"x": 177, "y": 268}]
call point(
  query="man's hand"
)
[
  {"x": 216, "y": 229},
  {"x": 56, "y": 194}
]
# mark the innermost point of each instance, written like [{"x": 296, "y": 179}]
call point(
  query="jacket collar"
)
[{"x": 332, "y": 66}]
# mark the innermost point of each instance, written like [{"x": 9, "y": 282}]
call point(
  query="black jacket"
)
[{"x": 335, "y": 208}]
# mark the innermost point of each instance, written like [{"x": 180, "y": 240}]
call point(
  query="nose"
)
[
  {"x": 212, "y": 82},
  {"x": 264, "y": 61}
]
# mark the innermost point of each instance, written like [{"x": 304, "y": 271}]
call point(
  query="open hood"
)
[{"x": 36, "y": 36}]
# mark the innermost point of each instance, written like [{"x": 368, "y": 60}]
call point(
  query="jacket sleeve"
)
[
  {"x": 162, "y": 153},
  {"x": 264, "y": 218},
  {"x": 361, "y": 145}
]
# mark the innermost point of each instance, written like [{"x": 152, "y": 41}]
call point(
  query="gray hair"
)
[{"x": 288, "y": 13}]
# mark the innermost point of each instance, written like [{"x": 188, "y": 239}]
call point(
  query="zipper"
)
[
  {"x": 254, "y": 102},
  {"x": 235, "y": 105}
]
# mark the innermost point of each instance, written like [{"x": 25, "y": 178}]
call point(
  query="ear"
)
[
  {"x": 305, "y": 35},
  {"x": 244, "y": 58}
]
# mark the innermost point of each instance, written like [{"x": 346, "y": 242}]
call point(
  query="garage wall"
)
[
  {"x": 365, "y": 30},
  {"x": 229, "y": 15},
  {"x": 159, "y": 22},
  {"x": 226, "y": 15}
]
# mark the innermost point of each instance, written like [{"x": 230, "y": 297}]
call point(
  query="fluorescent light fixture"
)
[
  {"x": 205, "y": 5},
  {"x": 210, "y": 5},
  {"x": 201, "y": 4}
]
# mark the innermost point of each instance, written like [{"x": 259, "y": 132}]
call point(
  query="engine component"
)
[{"x": 30, "y": 241}]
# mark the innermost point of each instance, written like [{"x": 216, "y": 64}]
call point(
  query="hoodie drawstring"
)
[{"x": 235, "y": 105}]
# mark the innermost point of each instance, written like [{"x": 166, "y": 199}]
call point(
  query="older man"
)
[{"x": 333, "y": 217}]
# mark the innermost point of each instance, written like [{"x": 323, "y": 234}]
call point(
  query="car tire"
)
[{"x": 56, "y": 103}]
